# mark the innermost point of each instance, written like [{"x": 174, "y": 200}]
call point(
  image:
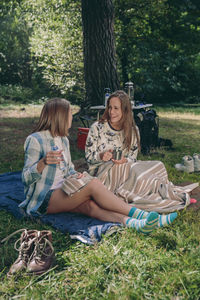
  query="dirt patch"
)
[{"x": 196, "y": 195}]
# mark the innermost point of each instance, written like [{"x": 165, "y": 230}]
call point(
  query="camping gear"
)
[
  {"x": 81, "y": 138},
  {"x": 187, "y": 164},
  {"x": 148, "y": 124}
]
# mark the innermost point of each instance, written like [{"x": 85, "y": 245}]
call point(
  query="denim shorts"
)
[{"x": 43, "y": 208}]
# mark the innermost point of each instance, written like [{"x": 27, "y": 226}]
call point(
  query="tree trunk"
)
[{"x": 99, "y": 49}]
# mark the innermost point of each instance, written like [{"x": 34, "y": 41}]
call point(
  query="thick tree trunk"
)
[{"x": 99, "y": 49}]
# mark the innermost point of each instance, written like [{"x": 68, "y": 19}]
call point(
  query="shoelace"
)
[
  {"x": 40, "y": 246},
  {"x": 40, "y": 241},
  {"x": 24, "y": 246},
  {"x": 10, "y": 235},
  {"x": 23, "y": 252}
]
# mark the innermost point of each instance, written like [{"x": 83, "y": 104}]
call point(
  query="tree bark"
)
[{"x": 99, "y": 49}]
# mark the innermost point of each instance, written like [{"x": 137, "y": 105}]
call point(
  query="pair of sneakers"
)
[{"x": 189, "y": 163}]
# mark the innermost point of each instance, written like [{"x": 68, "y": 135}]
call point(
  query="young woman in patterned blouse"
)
[{"x": 111, "y": 153}]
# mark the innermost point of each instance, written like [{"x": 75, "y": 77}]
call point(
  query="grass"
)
[{"x": 126, "y": 265}]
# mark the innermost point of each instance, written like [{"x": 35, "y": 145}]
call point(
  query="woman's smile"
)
[{"x": 115, "y": 111}]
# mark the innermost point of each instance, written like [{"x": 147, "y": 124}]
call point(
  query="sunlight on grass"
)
[
  {"x": 25, "y": 111},
  {"x": 179, "y": 116}
]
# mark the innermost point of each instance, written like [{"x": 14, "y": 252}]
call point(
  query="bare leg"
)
[
  {"x": 106, "y": 199},
  {"x": 96, "y": 201},
  {"x": 95, "y": 190},
  {"x": 91, "y": 209}
]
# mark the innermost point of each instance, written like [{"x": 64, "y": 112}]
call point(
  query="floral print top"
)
[{"x": 101, "y": 138}]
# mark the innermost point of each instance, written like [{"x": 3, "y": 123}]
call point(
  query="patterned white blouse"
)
[{"x": 102, "y": 137}]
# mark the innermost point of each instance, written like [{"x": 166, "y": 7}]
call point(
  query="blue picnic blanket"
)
[{"x": 87, "y": 230}]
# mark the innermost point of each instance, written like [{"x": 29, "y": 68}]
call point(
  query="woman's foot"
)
[
  {"x": 137, "y": 213},
  {"x": 146, "y": 225},
  {"x": 163, "y": 220}
]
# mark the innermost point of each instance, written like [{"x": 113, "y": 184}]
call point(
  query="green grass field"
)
[{"x": 125, "y": 265}]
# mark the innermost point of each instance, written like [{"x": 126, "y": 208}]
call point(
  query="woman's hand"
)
[
  {"x": 123, "y": 160},
  {"x": 79, "y": 175},
  {"x": 51, "y": 158},
  {"x": 106, "y": 156}
]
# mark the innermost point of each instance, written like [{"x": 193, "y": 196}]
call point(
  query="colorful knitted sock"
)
[
  {"x": 163, "y": 220},
  {"x": 137, "y": 213},
  {"x": 144, "y": 226}
]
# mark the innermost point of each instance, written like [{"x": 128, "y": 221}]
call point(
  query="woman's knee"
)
[
  {"x": 93, "y": 208},
  {"x": 88, "y": 208},
  {"x": 94, "y": 184}
]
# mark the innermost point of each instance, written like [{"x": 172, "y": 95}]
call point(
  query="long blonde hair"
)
[
  {"x": 54, "y": 117},
  {"x": 127, "y": 122}
]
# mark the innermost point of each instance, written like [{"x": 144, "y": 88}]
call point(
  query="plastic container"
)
[
  {"x": 107, "y": 94},
  {"x": 62, "y": 163},
  {"x": 82, "y": 136}
]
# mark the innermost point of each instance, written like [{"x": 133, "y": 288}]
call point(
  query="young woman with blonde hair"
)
[{"x": 53, "y": 186}]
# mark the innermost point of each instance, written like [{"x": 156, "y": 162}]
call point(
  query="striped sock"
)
[
  {"x": 144, "y": 226},
  {"x": 137, "y": 213},
  {"x": 163, "y": 220}
]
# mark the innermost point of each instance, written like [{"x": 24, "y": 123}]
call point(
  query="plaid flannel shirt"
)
[{"x": 37, "y": 185}]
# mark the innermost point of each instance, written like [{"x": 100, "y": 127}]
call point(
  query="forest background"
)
[
  {"x": 41, "y": 56},
  {"x": 157, "y": 47}
]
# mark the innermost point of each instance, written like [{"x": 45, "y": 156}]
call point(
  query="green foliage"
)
[
  {"x": 158, "y": 47},
  {"x": 157, "y": 43},
  {"x": 14, "y": 45},
  {"x": 15, "y": 93},
  {"x": 56, "y": 44},
  {"x": 41, "y": 46}
]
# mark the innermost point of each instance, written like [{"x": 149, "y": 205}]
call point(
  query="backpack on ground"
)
[{"x": 148, "y": 124}]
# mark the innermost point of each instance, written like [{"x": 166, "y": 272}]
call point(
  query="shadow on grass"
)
[{"x": 8, "y": 254}]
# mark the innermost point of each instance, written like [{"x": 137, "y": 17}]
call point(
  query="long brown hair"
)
[
  {"x": 54, "y": 117},
  {"x": 127, "y": 122}
]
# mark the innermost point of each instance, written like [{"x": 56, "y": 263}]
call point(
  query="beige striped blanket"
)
[
  {"x": 72, "y": 185},
  {"x": 145, "y": 184}
]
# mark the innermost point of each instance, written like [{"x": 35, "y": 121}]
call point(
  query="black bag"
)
[{"x": 148, "y": 124}]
